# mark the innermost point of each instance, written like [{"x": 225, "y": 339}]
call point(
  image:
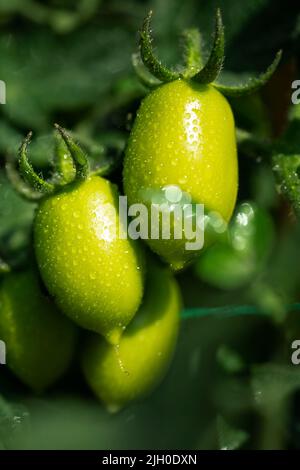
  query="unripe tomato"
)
[
  {"x": 242, "y": 254},
  {"x": 94, "y": 275},
  {"x": 183, "y": 135},
  {"x": 118, "y": 375},
  {"x": 39, "y": 339}
]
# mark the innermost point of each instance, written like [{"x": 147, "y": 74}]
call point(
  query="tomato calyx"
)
[
  {"x": 192, "y": 57},
  {"x": 210, "y": 72},
  {"x": 30, "y": 177},
  {"x": 152, "y": 72},
  {"x": 78, "y": 156},
  {"x": 70, "y": 164},
  {"x": 152, "y": 63},
  {"x": 31, "y": 185}
]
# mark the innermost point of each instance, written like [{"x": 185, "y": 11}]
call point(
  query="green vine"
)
[{"x": 231, "y": 311}]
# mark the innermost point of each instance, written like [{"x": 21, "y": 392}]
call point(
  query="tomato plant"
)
[{"x": 202, "y": 132}]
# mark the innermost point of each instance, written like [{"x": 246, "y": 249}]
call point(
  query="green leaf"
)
[
  {"x": 62, "y": 20},
  {"x": 274, "y": 383},
  {"x": 253, "y": 115},
  {"x": 286, "y": 169},
  {"x": 77, "y": 70},
  {"x": 4, "y": 267},
  {"x": 16, "y": 216},
  {"x": 229, "y": 359},
  {"x": 10, "y": 138},
  {"x": 229, "y": 437},
  {"x": 14, "y": 420}
]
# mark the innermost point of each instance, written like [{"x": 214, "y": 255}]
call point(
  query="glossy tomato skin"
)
[
  {"x": 183, "y": 135},
  {"x": 95, "y": 276},
  {"x": 118, "y": 376},
  {"x": 40, "y": 340}
]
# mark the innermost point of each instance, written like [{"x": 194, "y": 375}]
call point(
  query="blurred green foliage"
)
[{"x": 70, "y": 62}]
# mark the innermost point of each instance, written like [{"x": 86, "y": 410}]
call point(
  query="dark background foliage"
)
[{"x": 231, "y": 384}]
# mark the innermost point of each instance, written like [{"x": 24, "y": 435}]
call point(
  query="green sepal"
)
[
  {"x": 152, "y": 63},
  {"x": 286, "y": 169},
  {"x": 19, "y": 185},
  {"x": 63, "y": 161},
  {"x": 77, "y": 154},
  {"x": 254, "y": 84},
  {"x": 35, "y": 181},
  {"x": 213, "y": 66},
  {"x": 142, "y": 73},
  {"x": 191, "y": 40}
]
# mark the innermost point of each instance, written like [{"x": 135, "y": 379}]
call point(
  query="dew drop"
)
[{"x": 120, "y": 362}]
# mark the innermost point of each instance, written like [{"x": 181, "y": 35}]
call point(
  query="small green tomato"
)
[
  {"x": 94, "y": 275},
  {"x": 91, "y": 268},
  {"x": 242, "y": 252},
  {"x": 118, "y": 375},
  {"x": 39, "y": 339}
]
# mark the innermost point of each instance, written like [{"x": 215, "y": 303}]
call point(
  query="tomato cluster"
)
[{"x": 126, "y": 300}]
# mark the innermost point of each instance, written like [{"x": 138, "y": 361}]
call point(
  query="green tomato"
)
[
  {"x": 183, "y": 136},
  {"x": 95, "y": 276},
  {"x": 251, "y": 231},
  {"x": 39, "y": 340},
  {"x": 234, "y": 261},
  {"x": 118, "y": 375}
]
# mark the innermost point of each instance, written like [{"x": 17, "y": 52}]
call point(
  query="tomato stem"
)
[{"x": 230, "y": 311}]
